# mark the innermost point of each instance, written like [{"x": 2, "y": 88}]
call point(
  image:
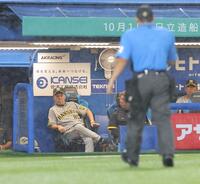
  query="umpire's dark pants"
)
[{"x": 154, "y": 93}]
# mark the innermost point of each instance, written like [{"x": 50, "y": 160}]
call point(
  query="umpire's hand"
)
[{"x": 110, "y": 87}]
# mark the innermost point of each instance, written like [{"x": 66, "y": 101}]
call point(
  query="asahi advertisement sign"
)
[
  {"x": 53, "y": 57},
  {"x": 47, "y": 76}
]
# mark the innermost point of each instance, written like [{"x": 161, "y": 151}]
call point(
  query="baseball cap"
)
[
  {"x": 191, "y": 82},
  {"x": 144, "y": 13},
  {"x": 58, "y": 90}
]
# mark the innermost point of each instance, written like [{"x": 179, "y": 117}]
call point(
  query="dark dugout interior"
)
[{"x": 9, "y": 78}]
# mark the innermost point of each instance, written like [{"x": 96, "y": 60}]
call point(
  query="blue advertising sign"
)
[
  {"x": 187, "y": 67},
  {"x": 99, "y": 86}
]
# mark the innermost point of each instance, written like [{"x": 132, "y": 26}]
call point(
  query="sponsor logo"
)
[
  {"x": 42, "y": 82},
  {"x": 99, "y": 86},
  {"x": 69, "y": 80},
  {"x": 190, "y": 65},
  {"x": 187, "y": 129},
  {"x": 53, "y": 57}
]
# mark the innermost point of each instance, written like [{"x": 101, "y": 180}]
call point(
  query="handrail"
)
[{"x": 185, "y": 106}]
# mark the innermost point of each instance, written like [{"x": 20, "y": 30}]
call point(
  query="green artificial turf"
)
[{"x": 96, "y": 169}]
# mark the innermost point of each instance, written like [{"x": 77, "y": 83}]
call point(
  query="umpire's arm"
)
[
  {"x": 120, "y": 66},
  {"x": 172, "y": 53}
]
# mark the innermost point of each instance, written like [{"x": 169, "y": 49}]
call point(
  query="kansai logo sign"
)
[
  {"x": 69, "y": 80},
  {"x": 53, "y": 57},
  {"x": 47, "y": 76}
]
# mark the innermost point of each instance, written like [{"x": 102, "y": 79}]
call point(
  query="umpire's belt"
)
[{"x": 147, "y": 72}]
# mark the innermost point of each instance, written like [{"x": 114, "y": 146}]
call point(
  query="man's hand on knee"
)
[{"x": 61, "y": 129}]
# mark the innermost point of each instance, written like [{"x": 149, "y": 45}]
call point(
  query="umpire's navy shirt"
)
[{"x": 148, "y": 47}]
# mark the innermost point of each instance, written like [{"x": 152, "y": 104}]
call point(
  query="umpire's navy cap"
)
[
  {"x": 58, "y": 90},
  {"x": 191, "y": 82},
  {"x": 144, "y": 13}
]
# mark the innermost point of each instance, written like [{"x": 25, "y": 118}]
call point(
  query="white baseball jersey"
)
[{"x": 67, "y": 115}]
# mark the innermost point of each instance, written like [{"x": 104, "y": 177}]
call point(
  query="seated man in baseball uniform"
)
[
  {"x": 119, "y": 116},
  {"x": 191, "y": 87},
  {"x": 65, "y": 118},
  {"x": 5, "y": 139}
]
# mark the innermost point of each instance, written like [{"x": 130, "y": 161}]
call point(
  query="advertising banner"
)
[
  {"x": 53, "y": 57},
  {"x": 187, "y": 67},
  {"x": 102, "y": 26},
  {"x": 99, "y": 86},
  {"x": 47, "y": 76},
  {"x": 186, "y": 131}
]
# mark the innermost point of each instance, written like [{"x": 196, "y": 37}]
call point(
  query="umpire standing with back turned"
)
[{"x": 150, "y": 50}]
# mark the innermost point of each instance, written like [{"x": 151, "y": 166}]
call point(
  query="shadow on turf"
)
[{"x": 138, "y": 169}]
